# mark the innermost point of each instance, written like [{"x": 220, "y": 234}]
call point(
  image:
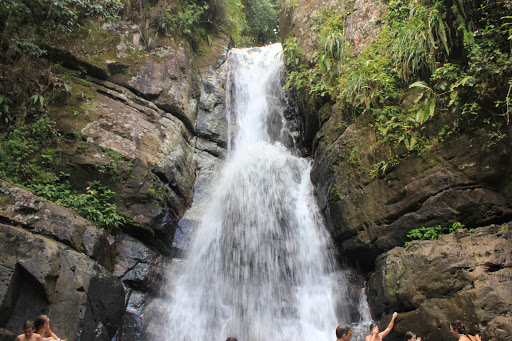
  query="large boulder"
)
[
  {"x": 463, "y": 276},
  {"x": 56, "y": 263},
  {"x": 39, "y": 275},
  {"x": 22, "y": 208},
  {"x": 142, "y": 153}
]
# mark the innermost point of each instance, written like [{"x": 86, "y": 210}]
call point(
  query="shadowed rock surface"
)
[{"x": 60, "y": 271}]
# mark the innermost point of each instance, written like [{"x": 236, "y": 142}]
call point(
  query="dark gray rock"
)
[{"x": 83, "y": 300}]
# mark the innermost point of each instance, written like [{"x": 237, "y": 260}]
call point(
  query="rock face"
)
[
  {"x": 55, "y": 263},
  {"x": 466, "y": 277},
  {"x": 459, "y": 182},
  {"x": 463, "y": 179},
  {"x": 143, "y": 120},
  {"x": 140, "y": 269},
  {"x": 131, "y": 125}
]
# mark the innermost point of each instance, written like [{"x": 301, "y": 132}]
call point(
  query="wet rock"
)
[
  {"x": 140, "y": 269},
  {"x": 138, "y": 266},
  {"x": 211, "y": 123}
]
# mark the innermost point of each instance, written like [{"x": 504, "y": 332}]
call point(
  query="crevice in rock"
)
[
  {"x": 492, "y": 267},
  {"x": 68, "y": 60},
  {"x": 418, "y": 204}
]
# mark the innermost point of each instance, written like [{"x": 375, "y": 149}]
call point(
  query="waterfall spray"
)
[{"x": 257, "y": 268}]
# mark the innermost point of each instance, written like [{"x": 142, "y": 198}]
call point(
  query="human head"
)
[
  {"x": 40, "y": 322},
  {"x": 373, "y": 326},
  {"x": 410, "y": 336},
  {"x": 457, "y": 328},
  {"x": 28, "y": 329},
  {"x": 343, "y": 332},
  {"x": 231, "y": 338}
]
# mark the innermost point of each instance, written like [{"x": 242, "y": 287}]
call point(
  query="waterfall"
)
[{"x": 258, "y": 267}]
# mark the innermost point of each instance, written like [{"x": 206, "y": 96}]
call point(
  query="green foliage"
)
[
  {"x": 114, "y": 167},
  {"x": 185, "y": 19},
  {"x": 20, "y": 149},
  {"x": 262, "y": 21},
  {"x": 5, "y": 113},
  {"x": 26, "y": 25},
  {"x": 246, "y": 22},
  {"x": 155, "y": 193},
  {"x": 381, "y": 168},
  {"x": 335, "y": 194},
  {"x": 94, "y": 205},
  {"x": 433, "y": 232},
  {"x": 435, "y": 69}
]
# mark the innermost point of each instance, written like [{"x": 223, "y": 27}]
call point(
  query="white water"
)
[{"x": 257, "y": 268}]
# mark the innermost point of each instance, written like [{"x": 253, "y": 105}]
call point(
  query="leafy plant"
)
[
  {"x": 335, "y": 194},
  {"x": 185, "y": 19},
  {"x": 21, "y": 20},
  {"x": 433, "y": 232},
  {"x": 93, "y": 205}
]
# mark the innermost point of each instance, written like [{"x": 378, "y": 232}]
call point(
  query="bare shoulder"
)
[{"x": 38, "y": 337}]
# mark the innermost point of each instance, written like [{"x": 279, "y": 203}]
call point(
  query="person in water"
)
[
  {"x": 42, "y": 326},
  {"x": 343, "y": 333},
  {"x": 410, "y": 336},
  {"x": 231, "y": 338},
  {"x": 458, "y": 330},
  {"x": 374, "y": 330},
  {"x": 28, "y": 333}
]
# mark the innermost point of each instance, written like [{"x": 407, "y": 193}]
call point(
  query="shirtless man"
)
[
  {"x": 28, "y": 333},
  {"x": 343, "y": 333},
  {"x": 42, "y": 326},
  {"x": 374, "y": 329}
]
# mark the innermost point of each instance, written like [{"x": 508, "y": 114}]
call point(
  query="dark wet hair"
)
[
  {"x": 39, "y": 322},
  {"x": 408, "y": 336},
  {"x": 28, "y": 324},
  {"x": 231, "y": 338},
  {"x": 341, "y": 330},
  {"x": 459, "y": 327},
  {"x": 373, "y": 325}
]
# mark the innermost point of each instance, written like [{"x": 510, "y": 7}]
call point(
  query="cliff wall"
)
[{"x": 371, "y": 201}]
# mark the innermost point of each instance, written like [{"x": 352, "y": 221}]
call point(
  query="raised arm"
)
[
  {"x": 386, "y": 331},
  {"x": 50, "y": 334}
]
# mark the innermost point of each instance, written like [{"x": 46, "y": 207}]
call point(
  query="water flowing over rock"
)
[{"x": 257, "y": 266}]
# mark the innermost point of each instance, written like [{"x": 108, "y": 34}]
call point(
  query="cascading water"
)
[{"x": 257, "y": 268}]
